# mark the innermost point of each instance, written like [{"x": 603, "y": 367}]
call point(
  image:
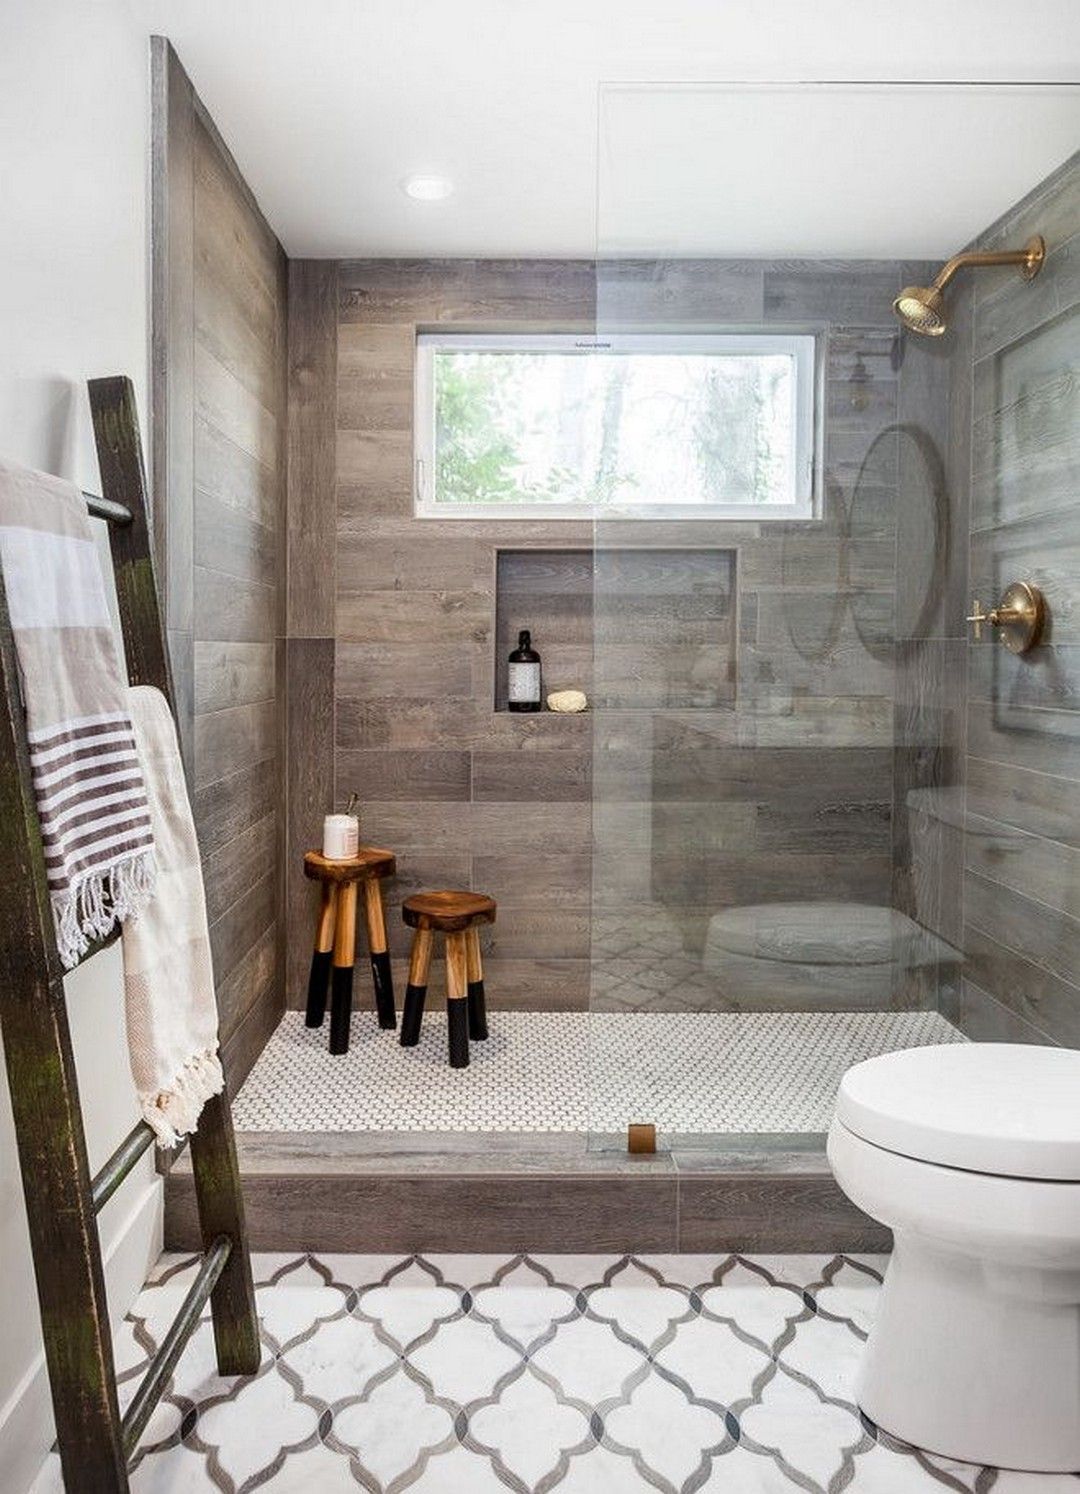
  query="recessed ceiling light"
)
[{"x": 427, "y": 188}]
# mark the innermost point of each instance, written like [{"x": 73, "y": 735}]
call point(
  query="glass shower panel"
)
[{"x": 778, "y": 691}]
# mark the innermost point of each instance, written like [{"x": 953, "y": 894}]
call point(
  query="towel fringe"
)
[
  {"x": 88, "y": 910},
  {"x": 174, "y": 1113}
]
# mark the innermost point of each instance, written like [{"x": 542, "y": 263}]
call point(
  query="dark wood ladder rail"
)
[{"x": 62, "y": 1200}]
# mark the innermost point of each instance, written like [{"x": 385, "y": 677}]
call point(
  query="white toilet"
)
[{"x": 970, "y": 1153}]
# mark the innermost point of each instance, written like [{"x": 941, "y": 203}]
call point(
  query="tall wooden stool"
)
[
  {"x": 458, "y": 915},
  {"x": 335, "y": 939}
]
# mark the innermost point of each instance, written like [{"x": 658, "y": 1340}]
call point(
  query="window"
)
[{"x": 650, "y": 424}]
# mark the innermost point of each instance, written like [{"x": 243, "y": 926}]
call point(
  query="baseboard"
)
[{"x": 26, "y": 1421}]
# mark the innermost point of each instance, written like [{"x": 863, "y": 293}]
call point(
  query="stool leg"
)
[
  {"x": 477, "y": 1006},
  {"x": 457, "y": 1004},
  {"x": 319, "y": 979},
  {"x": 416, "y": 990},
  {"x": 381, "y": 975},
  {"x": 344, "y": 957}
]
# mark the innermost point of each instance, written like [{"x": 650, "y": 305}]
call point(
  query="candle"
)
[{"x": 341, "y": 837}]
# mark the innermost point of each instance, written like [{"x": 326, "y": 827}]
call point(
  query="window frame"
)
[{"x": 802, "y": 345}]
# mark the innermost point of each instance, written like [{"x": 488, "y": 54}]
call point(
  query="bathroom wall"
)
[
  {"x": 74, "y": 292},
  {"x": 1017, "y": 349},
  {"x": 390, "y": 648},
  {"x": 219, "y": 477},
  {"x": 390, "y": 617}
]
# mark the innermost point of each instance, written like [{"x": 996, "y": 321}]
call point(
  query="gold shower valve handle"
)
[{"x": 1020, "y": 617}]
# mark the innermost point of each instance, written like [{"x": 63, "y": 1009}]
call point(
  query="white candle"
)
[{"x": 341, "y": 837}]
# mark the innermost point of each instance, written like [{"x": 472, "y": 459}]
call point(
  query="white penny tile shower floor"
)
[
  {"x": 577, "y": 1374},
  {"x": 687, "y": 1072}
]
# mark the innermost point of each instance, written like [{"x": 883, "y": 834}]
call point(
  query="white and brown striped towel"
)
[
  {"x": 172, "y": 1023},
  {"x": 91, "y": 801}
]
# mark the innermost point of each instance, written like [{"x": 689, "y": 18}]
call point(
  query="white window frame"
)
[{"x": 801, "y": 346}]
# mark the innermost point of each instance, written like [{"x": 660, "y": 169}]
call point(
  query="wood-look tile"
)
[
  {"x": 404, "y": 775},
  {"x": 243, "y": 924},
  {"x": 222, "y": 401},
  {"x": 247, "y": 982},
  {"x": 234, "y": 611},
  {"x": 429, "y": 618},
  {"x": 417, "y": 669},
  {"x": 229, "y": 542},
  {"x": 234, "y": 477},
  {"x": 677, "y": 292},
  {"x": 309, "y": 751},
  {"x": 233, "y": 738},
  {"x": 518, "y": 293},
  {"x": 1030, "y": 992},
  {"x": 230, "y": 674},
  {"x": 1041, "y": 935},
  {"x": 768, "y": 1211},
  {"x": 427, "y": 1212},
  {"x": 553, "y": 879},
  {"x": 225, "y": 807},
  {"x": 251, "y": 1035},
  {"x": 233, "y": 870},
  {"x": 984, "y": 1020},
  {"x": 312, "y": 379},
  {"x": 551, "y": 777}
]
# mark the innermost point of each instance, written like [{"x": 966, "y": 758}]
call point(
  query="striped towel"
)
[{"x": 95, "y": 820}]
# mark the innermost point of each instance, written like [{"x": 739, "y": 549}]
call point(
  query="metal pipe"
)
[
  {"x": 172, "y": 1345},
  {"x": 105, "y": 508},
  {"x": 120, "y": 1164}
]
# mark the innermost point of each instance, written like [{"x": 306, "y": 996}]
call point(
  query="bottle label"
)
[{"x": 524, "y": 683}]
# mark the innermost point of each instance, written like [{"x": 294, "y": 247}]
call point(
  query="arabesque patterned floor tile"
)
[{"x": 577, "y": 1374}]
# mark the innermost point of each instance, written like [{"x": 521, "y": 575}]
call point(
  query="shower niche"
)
[{"x": 636, "y": 628}]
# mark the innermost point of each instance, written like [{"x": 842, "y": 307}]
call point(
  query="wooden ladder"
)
[{"x": 62, "y": 1199}]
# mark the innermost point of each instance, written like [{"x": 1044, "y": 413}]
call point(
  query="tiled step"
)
[{"x": 362, "y": 1191}]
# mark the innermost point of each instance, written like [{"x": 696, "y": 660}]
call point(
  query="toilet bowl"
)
[{"x": 970, "y": 1153}]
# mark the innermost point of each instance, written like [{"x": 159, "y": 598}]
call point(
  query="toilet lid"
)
[{"x": 1001, "y": 1108}]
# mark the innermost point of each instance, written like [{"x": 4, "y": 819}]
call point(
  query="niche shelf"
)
[{"x": 636, "y": 629}]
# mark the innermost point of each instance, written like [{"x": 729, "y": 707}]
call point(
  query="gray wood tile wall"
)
[
  {"x": 1019, "y": 358},
  {"x": 470, "y": 795},
  {"x": 219, "y": 476}
]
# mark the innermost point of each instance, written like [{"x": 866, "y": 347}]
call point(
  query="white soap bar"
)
[
  {"x": 340, "y": 837},
  {"x": 567, "y": 700}
]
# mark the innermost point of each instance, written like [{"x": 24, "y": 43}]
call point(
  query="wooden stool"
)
[
  {"x": 336, "y": 936},
  {"x": 458, "y": 915}
]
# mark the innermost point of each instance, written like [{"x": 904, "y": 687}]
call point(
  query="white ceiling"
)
[{"x": 329, "y": 104}]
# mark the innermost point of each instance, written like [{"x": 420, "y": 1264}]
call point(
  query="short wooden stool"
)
[
  {"x": 335, "y": 939},
  {"x": 458, "y": 915}
]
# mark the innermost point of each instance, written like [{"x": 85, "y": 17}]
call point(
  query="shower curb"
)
[{"x": 357, "y": 1192}]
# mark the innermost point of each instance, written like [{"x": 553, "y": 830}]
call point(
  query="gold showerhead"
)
[{"x": 921, "y": 308}]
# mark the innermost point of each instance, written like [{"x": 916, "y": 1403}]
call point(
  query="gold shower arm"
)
[{"x": 1030, "y": 258}]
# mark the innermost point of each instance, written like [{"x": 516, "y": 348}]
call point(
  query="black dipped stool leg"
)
[
  {"x": 478, "y": 1029},
  {"x": 318, "y": 984},
  {"x": 381, "y": 974},
  {"x": 319, "y": 978},
  {"x": 413, "y": 1015},
  {"x": 341, "y": 1008},
  {"x": 457, "y": 1027},
  {"x": 457, "y": 1004},
  {"x": 416, "y": 990},
  {"x": 382, "y": 978}
]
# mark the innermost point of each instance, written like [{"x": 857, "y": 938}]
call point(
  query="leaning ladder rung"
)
[
  {"x": 172, "y": 1345},
  {"x": 105, "y": 508},
  {"x": 120, "y": 1164}
]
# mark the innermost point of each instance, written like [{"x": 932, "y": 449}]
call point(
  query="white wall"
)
[{"x": 74, "y": 171}]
